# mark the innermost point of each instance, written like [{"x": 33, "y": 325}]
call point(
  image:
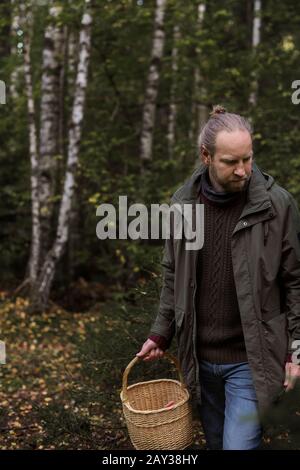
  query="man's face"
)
[{"x": 230, "y": 167}]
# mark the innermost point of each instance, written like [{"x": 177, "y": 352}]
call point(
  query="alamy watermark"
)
[
  {"x": 296, "y": 94},
  {"x": 296, "y": 353},
  {"x": 2, "y": 92},
  {"x": 136, "y": 222}
]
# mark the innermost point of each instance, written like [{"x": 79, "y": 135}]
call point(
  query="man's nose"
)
[{"x": 240, "y": 170}]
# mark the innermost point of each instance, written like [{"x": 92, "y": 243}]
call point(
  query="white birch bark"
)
[
  {"x": 148, "y": 118},
  {"x": 49, "y": 121},
  {"x": 173, "y": 105},
  {"x": 48, "y": 270},
  {"x": 255, "y": 42},
  {"x": 33, "y": 151},
  {"x": 199, "y": 109},
  {"x": 17, "y": 10},
  {"x": 73, "y": 242},
  {"x": 62, "y": 91}
]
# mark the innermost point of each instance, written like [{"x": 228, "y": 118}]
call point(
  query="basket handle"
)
[{"x": 136, "y": 359}]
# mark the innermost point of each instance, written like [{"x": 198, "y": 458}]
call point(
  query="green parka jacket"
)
[{"x": 265, "y": 248}]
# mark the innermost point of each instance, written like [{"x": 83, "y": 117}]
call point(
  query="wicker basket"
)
[{"x": 150, "y": 424}]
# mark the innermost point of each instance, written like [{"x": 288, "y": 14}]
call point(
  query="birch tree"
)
[
  {"x": 199, "y": 109},
  {"x": 173, "y": 104},
  {"x": 148, "y": 118},
  {"x": 255, "y": 42},
  {"x": 15, "y": 28},
  {"x": 73, "y": 242},
  {"x": 62, "y": 92},
  {"x": 49, "y": 122},
  {"x": 33, "y": 151},
  {"x": 44, "y": 281},
  {"x": 18, "y": 15}
]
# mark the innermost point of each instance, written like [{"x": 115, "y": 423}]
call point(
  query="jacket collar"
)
[{"x": 258, "y": 190}]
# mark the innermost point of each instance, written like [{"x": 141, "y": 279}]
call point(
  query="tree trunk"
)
[
  {"x": 44, "y": 282},
  {"x": 62, "y": 91},
  {"x": 35, "y": 203},
  {"x": 148, "y": 118},
  {"x": 74, "y": 236},
  {"x": 255, "y": 42},
  {"x": 173, "y": 105},
  {"x": 49, "y": 123},
  {"x": 199, "y": 108},
  {"x": 15, "y": 28},
  {"x": 66, "y": 96}
]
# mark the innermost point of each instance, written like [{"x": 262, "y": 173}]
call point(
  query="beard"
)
[
  {"x": 229, "y": 186},
  {"x": 235, "y": 186}
]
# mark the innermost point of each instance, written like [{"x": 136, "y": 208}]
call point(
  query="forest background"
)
[{"x": 100, "y": 99}]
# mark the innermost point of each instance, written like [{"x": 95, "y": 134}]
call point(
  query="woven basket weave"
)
[{"x": 150, "y": 424}]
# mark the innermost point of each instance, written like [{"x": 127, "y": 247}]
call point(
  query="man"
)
[{"x": 234, "y": 305}]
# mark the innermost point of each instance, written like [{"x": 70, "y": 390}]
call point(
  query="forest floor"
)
[
  {"x": 58, "y": 391},
  {"x": 61, "y": 382}
]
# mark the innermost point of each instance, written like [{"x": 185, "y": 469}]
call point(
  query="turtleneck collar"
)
[{"x": 219, "y": 197}]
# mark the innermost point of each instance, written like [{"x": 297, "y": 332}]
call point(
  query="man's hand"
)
[
  {"x": 292, "y": 373},
  {"x": 150, "y": 351}
]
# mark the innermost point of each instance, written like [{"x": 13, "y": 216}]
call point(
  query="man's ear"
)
[{"x": 205, "y": 156}]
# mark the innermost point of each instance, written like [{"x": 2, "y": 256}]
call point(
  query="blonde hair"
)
[{"x": 221, "y": 120}]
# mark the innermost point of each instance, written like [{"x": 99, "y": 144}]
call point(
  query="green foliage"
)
[
  {"x": 128, "y": 273},
  {"x": 109, "y": 159}
]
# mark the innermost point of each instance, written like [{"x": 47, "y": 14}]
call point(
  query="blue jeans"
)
[{"x": 229, "y": 411}]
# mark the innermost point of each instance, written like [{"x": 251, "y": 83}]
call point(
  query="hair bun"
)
[{"x": 218, "y": 109}]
